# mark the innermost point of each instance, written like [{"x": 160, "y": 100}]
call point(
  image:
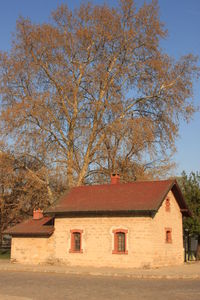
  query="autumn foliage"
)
[{"x": 92, "y": 92}]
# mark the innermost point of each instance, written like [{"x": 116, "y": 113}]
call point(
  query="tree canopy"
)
[
  {"x": 190, "y": 185},
  {"x": 24, "y": 185},
  {"x": 92, "y": 92}
]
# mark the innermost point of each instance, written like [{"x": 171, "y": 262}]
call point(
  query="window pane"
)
[
  {"x": 168, "y": 236},
  {"x": 121, "y": 241},
  {"x": 77, "y": 241}
]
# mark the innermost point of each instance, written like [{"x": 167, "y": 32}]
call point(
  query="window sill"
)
[
  {"x": 73, "y": 251},
  {"x": 117, "y": 252}
]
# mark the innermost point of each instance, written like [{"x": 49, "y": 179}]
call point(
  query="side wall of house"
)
[
  {"x": 32, "y": 250},
  {"x": 171, "y": 253}
]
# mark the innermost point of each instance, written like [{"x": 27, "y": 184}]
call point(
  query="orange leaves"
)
[{"x": 92, "y": 88}]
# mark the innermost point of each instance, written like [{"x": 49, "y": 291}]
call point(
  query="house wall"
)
[
  {"x": 28, "y": 250},
  {"x": 146, "y": 243},
  {"x": 98, "y": 241},
  {"x": 168, "y": 253}
]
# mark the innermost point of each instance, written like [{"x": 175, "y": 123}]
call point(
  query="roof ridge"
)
[{"x": 123, "y": 183}]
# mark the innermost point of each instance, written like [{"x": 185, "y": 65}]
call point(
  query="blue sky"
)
[{"x": 181, "y": 18}]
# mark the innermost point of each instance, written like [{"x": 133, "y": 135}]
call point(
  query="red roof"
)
[
  {"x": 32, "y": 227},
  {"x": 135, "y": 196},
  {"x": 146, "y": 196}
]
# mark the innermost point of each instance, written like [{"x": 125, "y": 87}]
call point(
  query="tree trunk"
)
[
  {"x": 0, "y": 231},
  {"x": 198, "y": 249},
  {"x": 70, "y": 180}
]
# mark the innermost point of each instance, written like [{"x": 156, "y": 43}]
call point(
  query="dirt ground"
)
[{"x": 30, "y": 285}]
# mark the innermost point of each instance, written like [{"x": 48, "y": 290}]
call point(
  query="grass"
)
[{"x": 4, "y": 254}]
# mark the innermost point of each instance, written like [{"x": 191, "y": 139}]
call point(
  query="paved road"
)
[{"x": 47, "y": 286}]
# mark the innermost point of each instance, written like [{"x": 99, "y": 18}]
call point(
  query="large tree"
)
[
  {"x": 93, "y": 92},
  {"x": 190, "y": 185}
]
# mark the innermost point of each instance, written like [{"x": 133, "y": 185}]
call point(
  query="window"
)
[
  {"x": 167, "y": 204},
  {"x": 76, "y": 241},
  {"x": 168, "y": 235},
  {"x": 120, "y": 241}
]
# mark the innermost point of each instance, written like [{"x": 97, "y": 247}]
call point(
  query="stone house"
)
[{"x": 129, "y": 225}]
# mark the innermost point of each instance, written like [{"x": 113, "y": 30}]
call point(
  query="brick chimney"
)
[
  {"x": 114, "y": 179},
  {"x": 37, "y": 214}
]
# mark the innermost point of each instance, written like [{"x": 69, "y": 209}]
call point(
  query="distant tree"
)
[
  {"x": 25, "y": 184},
  {"x": 94, "y": 91},
  {"x": 190, "y": 185}
]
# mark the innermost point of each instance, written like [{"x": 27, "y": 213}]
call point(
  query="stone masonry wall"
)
[
  {"x": 168, "y": 253},
  {"x": 98, "y": 241},
  {"x": 28, "y": 250}
]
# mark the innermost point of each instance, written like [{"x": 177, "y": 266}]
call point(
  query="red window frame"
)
[
  {"x": 73, "y": 232},
  {"x": 167, "y": 204},
  {"x": 168, "y": 235},
  {"x": 116, "y": 241}
]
